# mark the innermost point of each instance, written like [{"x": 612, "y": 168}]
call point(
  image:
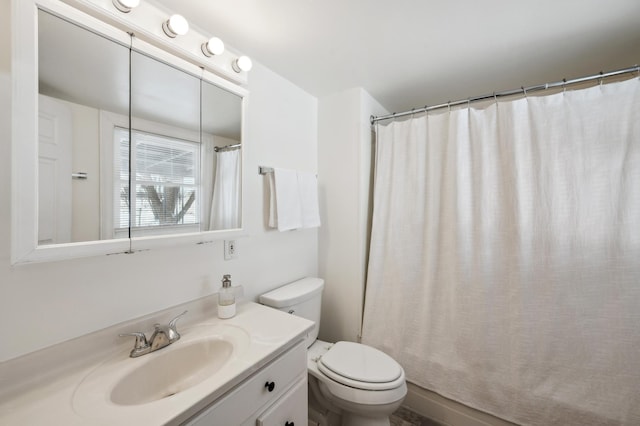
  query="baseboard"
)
[{"x": 447, "y": 412}]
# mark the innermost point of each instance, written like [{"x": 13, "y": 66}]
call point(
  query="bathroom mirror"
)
[{"x": 109, "y": 113}]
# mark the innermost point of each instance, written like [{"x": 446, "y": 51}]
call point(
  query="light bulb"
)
[
  {"x": 214, "y": 46},
  {"x": 243, "y": 63},
  {"x": 125, "y": 6},
  {"x": 176, "y": 25}
]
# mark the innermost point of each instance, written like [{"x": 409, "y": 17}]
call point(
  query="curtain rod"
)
[
  {"x": 495, "y": 95},
  {"x": 224, "y": 148}
]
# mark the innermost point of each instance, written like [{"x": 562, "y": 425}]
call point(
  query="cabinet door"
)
[
  {"x": 239, "y": 406},
  {"x": 290, "y": 410}
]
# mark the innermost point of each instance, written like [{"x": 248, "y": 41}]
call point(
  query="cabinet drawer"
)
[
  {"x": 259, "y": 390},
  {"x": 290, "y": 410}
]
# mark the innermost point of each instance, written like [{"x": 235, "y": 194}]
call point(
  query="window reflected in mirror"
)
[{"x": 166, "y": 174}]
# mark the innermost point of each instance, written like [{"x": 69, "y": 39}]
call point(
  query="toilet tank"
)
[{"x": 302, "y": 298}]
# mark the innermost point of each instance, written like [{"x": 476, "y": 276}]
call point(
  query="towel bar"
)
[{"x": 264, "y": 170}]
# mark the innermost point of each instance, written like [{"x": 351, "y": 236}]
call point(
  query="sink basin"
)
[
  {"x": 171, "y": 372},
  {"x": 165, "y": 381}
]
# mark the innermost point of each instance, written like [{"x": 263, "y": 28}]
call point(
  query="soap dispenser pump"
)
[{"x": 226, "y": 299}]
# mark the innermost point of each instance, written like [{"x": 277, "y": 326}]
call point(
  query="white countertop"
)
[{"x": 77, "y": 397}]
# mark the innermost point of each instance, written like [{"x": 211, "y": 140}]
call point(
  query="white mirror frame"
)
[{"x": 24, "y": 137}]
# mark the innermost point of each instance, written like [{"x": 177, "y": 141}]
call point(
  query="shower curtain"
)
[
  {"x": 504, "y": 268},
  {"x": 225, "y": 204}
]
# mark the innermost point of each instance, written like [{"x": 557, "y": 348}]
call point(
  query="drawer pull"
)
[
  {"x": 270, "y": 386},
  {"x": 289, "y": 424}
]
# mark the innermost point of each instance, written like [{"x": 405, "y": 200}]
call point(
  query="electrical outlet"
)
[{"x": 230, "y": 250}]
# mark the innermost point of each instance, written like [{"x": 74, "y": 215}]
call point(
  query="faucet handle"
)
[
  {"x": 172, "y": 323},
  {"x": 141, "y": 339},
  {"x": 173, "y": 334},
  {"x": 141, "y": 345}
]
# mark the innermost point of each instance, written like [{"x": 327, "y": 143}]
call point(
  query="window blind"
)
[{"x": 165, "y": 174}]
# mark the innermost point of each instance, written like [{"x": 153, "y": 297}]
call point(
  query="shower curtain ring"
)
[
  {"x": 449, "y": 106},
  {"x": 564, "y": 85},
  {"x": 495, "y": 97},
  {"x": 524, "y": 91},
  {"x": 601, "y": 78}
]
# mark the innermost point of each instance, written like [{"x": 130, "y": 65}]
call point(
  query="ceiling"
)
[{"x": 410, "y": 53}]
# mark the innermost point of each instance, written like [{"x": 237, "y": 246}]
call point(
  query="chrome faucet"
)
[{"x": 162, "y": 336}]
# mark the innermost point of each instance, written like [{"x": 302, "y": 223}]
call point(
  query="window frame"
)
[{"x": 109, "y": 122}]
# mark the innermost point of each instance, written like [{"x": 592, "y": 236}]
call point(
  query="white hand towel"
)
[
  {"x": 285, "y": 193},
  {"x": 273, "y": 213},
  {"x": 308, "y": 187}
]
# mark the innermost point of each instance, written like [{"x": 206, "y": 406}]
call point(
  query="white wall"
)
[
  {"x": 43, "y": 304},
  {"x": 345, "y": 160}
]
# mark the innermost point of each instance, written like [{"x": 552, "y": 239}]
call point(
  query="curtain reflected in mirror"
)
[
  {"x": 221, "y": 136},
  {"x": 225, "y": 203}
]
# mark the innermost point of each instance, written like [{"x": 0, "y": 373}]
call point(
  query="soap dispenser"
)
[{"x": 226, "y": 299}]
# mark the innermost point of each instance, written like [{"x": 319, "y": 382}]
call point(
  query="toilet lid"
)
[{"x": 361, "y": 366}]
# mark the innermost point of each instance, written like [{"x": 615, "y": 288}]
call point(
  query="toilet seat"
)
[
  {"x": 353, "y": 392},
  {"x": 361, "y": 367}
]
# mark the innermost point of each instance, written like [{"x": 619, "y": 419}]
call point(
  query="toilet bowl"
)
[
  {"x": 363, "y": 382},
  {"x": 357, "y": 382}
]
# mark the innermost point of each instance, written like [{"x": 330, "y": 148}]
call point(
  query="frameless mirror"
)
[
  {"x": 222, "y": 160},
  {"x": 165, "y": 150},
  {"x": 130, "y": 146},
  {"x": 80, "y": 75}
]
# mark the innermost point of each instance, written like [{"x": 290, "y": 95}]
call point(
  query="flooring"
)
[{"x": 406, "y": 417}]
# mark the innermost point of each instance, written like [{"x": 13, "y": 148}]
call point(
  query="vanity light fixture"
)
[
  {"x": 176, "y": 25},
  {"x": 214, "y": 46},
  {"x": 125, "y": 6},
  {"x": 243, "y": 63}
]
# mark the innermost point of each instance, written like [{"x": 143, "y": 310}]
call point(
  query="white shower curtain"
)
[
  {"x": 225, "y": 204},
  {"x": 504, "y": 270}
]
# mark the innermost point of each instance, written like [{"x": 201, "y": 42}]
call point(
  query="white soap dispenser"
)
[{"x": 226, "y": 299}]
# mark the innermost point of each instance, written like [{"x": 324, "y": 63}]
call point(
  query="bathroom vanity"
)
[
  {"x": 247, "y": 370},
  {"x": 275, "y": 395}
]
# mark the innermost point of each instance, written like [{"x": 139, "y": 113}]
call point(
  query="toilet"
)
[{"x": 355, "y": 383}]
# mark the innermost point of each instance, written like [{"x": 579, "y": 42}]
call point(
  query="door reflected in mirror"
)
[{"x": 171, "y": 137}]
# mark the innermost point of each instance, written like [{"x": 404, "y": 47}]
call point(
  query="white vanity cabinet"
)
[
  {"x": 289, "y": 410},
  {"x": 263, "y": 382},
  {"x": 274, "y": 395}
]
